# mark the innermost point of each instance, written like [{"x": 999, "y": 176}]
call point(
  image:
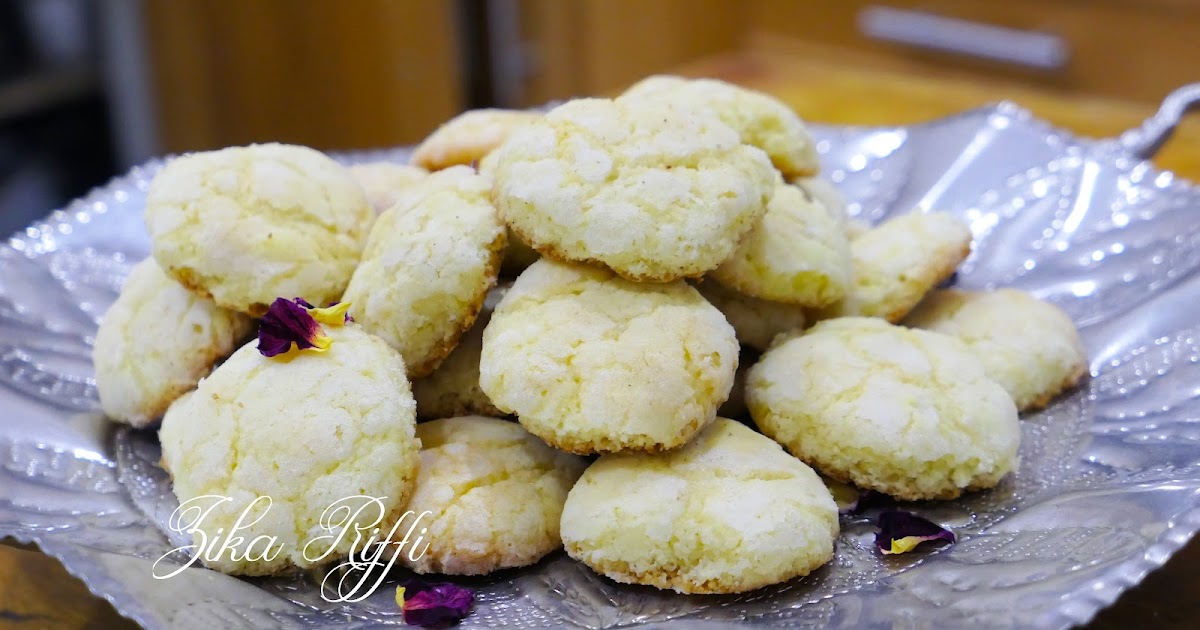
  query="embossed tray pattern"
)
[{"x": 1108, "y": 488}]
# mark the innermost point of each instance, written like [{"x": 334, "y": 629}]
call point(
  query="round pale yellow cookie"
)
[
  {"x": 1029, "y": 346},
  {"x": 798, "y": 254},
  {"x": 756, "y": 321},
  {"x": 156, "y": 342},
  {"x": 384, "y": 182},
  {"x": 469, "y": 137},
  {"x": 246, "y": 225},
  {"x": 453, "y": 388},
  {"x": 821, "y": 190},
  {"x": 287, "y": 440},
  {"x": 898, "y": 262},
  {"x": 427, "y": 267},
  {"x": 654, "y": 191},
  {"x": 494, "y": 495},
  {"x": 590, "y": 362},
  {"x": 760, "y": 120},
  {"x": 726, "y": 513},
  {"x": 909, "y": 413}
]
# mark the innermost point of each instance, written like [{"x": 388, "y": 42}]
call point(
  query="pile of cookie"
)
[{"x": 621, "y": 277}]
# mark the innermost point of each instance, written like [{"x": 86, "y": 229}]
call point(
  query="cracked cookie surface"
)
[
  {"x": 1029, "y": 346},
  {"x": 427, "y": 267},
  {"x": 156, "y": 342},
  {"x": 760, "y": 120},
  {"x": 591, "y": 362},
  {"x": 246, "y": 225},
  {"x": 797, "y": 254},
  {"x": 654, "y": 191},
  {"x": 494, "y": 492},
  {"x": 307, "y": 431},
  {"x": 910, "y": 413},
  {"x": 726, "y": 513},
  {"x": 896, "y": 263}
]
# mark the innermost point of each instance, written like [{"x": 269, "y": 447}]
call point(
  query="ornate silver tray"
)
[{"x": 1108, "y": 489}]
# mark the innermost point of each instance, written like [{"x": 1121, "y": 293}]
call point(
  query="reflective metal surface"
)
[{"x": 1108, "y": 488}]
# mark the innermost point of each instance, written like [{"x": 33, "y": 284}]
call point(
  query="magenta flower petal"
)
[
  {"x": 901, "y": 532},
  {"x": 432, "y": 605},
  {"x": 286, "y": 323}
]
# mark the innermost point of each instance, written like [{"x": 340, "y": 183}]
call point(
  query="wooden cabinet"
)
[
  {"x": 332, "y": 75},
  {"x": 1123, "y": 49}
]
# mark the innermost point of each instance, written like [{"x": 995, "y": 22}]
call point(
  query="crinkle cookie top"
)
[
  {"x": 428, "y": 265},
  {"x": 469, "y": 136},
  {"x": 494, "y": 492},
  {"x": 307, "y": 431},
  {"x": 761, "y": 120},
  {"x": 246, "y": 225},
  {"x": 910, "y": 413},
  {"x": 728, "y": 512},
  {"x": 383, "y": 182},
  {"x": 798, "y": 254},
  {"x": 156, "y": 342},
  {"x": 1029, "y": 346},
  {"x": 899, "y": 261},
  {"x": 591, "y": 362},
  {"x": 655, "y": 191}
]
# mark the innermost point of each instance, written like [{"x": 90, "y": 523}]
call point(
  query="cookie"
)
[
  {"x": 246, "y": 225},
  {"x": 1029, "y": 346},
  {"x": 453, "y": 388},
  {"x": 590, "y": 362},
  {"x": 760, "y": 120},
  {"x": 156, "y": 342},
  {"x": 494, "y": 494},
  {"x": 384, "y": 182},
  {"x": 469, "y": 137},
  {"x": 728, "y": 512},
  {"x": 654, "y": 191},
  {"x": 898, "y": 262},
  {"x": 797, "y": 254},
  {"x": 909, "y": 413},
  {"x": 427, "y": 267},
  {"x": 755, "y": 321},
  {"x": 308, "y": 431},
  {"x": 822, "y": 191}
]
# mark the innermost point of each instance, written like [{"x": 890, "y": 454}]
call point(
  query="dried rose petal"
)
[
  {"x": 287, "y": 324},
  {"x": 430, "y": 605},
  {"x": 901, "y": 532}
]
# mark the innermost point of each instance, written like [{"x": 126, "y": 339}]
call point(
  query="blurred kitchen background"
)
[{"x": 88, "y": 89}]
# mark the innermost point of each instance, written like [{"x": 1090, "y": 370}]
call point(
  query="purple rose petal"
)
[
  {"x": 432, "y": 605},
  {"x": 901, "y": 532},
  {"x": 288, "y": 322}
]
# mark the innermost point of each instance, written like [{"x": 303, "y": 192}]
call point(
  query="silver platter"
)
[{"x": 1109, "y": 484}]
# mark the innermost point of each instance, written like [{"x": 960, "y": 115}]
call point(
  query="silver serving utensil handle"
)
[{"x": 1145, "y": 141}]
